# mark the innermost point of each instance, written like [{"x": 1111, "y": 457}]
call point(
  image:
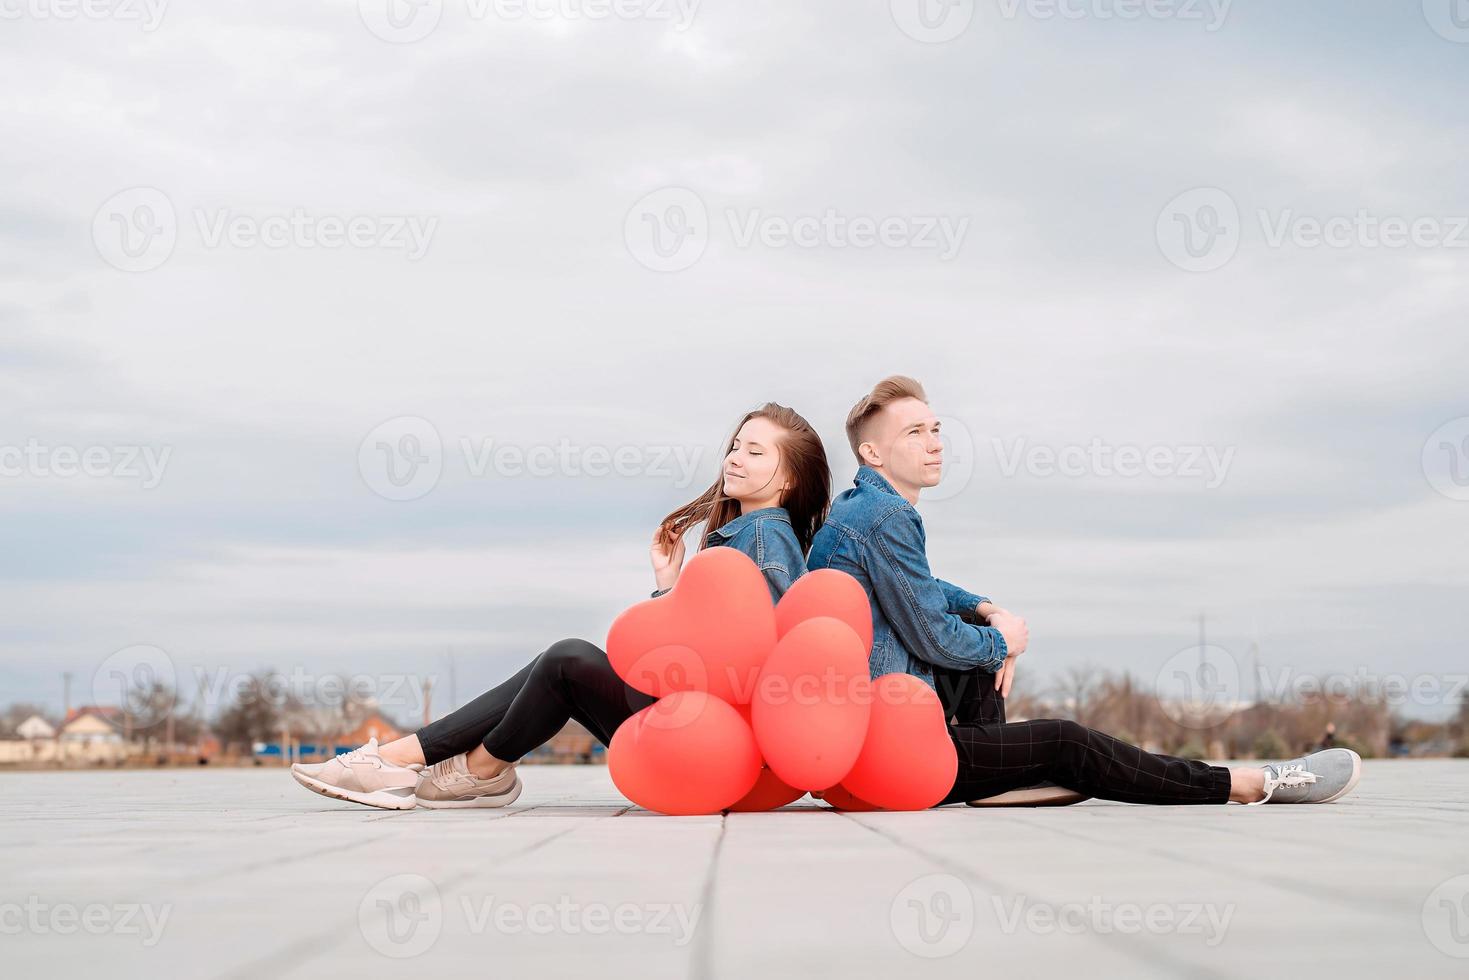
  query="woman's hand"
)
[{"x": 667, "y": 558}]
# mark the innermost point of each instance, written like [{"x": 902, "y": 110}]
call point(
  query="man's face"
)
[{"x": 905, "y": 436}]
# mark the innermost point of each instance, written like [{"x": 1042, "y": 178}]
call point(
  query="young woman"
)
[{"x": 768, "y": 502}]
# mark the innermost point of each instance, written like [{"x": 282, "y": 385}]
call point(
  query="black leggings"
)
[
  {"x": 996, "y": 758},
  {"x": 571, "y": 679}
]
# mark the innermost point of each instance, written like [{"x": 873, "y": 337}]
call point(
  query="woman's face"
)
[{"x": 753, "y": 471}]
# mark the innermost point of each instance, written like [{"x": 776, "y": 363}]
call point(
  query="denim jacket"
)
[
  {"x": 767, "y": 537},
  {"x": 877, "y": 537}
]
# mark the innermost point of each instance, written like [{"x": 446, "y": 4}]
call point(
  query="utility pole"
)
[
  {"x": 65, "y": 694},
  {"x": 1203, "y": 655},
  {"x": 453, "y": 686}
]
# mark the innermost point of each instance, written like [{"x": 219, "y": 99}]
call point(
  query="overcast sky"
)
[{"x": 254, "y": 253}]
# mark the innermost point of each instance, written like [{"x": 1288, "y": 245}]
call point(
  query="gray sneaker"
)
[
  {"x": 449, "y": 785},
  {"x": 1041, "y": 794},
  {"x": 361, "y": 776},
  {"x": 1321, "y": 777}
]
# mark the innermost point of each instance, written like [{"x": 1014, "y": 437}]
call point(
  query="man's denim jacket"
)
[{"x": 876, "y": 536}]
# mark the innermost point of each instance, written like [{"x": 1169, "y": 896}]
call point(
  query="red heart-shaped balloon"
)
[
  {"x": 826, "y": 592},
  {"x": 711, "y": 633},
  {"x": 811, "y": 705},
  {"x": 769, "y": 793},
  {"x": 908, "y": 760},
  {"x": 840, "y": 798},
  {"x": 685, "y": 754}
]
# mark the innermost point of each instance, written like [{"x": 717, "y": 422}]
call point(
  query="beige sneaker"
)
[
  {"x": 449, "y": 785},
  {"x": 1041, "y": 794},
  {"x": 361, "y": 776}
]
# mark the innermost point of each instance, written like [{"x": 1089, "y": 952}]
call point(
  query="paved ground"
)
[{"x": 241, "y": 873}]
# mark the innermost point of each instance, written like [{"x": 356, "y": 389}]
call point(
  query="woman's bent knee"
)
[{"x": 572, "y": 652}]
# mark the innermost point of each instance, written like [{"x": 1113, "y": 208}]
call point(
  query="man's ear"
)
[{"x": 867, "y": 452}]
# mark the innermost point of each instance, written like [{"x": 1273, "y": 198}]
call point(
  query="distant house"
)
[
  {"x": 93, "y": 725},
  {"x": 373, "y": 725},
  {"x": 35, "y": 728}
]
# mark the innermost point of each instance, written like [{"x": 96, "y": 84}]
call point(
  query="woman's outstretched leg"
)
[
  {"x": 460, "y": 730},
  {"x": 571, "y": 680}
]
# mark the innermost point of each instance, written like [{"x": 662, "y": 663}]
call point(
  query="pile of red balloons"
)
[{"x": 759, "y": 704}]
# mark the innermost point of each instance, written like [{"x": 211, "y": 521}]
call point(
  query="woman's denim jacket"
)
[{"x": 767, "y": 537}]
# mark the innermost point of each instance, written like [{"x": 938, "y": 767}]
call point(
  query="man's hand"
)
[
  {"x": 1013, "y": 629},
  {"x": 1004, "y": 677}
]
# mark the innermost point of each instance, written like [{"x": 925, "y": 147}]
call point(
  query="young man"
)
[{"x": 919, "y": 625}]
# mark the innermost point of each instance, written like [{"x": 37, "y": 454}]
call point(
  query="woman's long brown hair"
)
[{"x": 806, "y": 501}]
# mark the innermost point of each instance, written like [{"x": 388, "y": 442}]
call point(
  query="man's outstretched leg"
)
[{"x": 996, "y": 759}]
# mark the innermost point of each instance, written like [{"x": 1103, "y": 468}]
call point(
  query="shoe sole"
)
[
  {"x": 1048, "y": 796},
  {"x": 381, "y": 799},
  {"x": 479, "y": 802}
]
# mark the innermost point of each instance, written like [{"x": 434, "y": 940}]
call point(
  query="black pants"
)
[
  {"x": 969, "y": 696},
  {"x": 996, "y": 758},
  {"x": 571, "y": 679}
]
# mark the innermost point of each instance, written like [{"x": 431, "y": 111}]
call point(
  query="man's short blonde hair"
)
[{"x": 886, "y": 391}]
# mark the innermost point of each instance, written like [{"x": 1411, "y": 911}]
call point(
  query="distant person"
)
[
  {"x": 768, "y": 501},
  {"x": 1328, "y": 738},
  {"x": 874, "y": 533}
]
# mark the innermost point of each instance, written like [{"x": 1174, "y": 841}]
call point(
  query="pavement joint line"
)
[
  {"x": 1131, "y": 948},
  {"x": 1330, "y": 896},
  {"x": 303, "y": 952},
  {"x": 701, "y": 956}
]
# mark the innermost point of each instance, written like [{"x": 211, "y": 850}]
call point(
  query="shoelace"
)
[
  {"x": 444, "y": 774},
  {"x": 1290, "y": 774},
  {"x": 355, "y": 755}
]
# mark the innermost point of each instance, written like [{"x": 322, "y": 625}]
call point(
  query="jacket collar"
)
[
  {"x": 744, "y": 520},
  {"x": 874, "y": 479}
]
